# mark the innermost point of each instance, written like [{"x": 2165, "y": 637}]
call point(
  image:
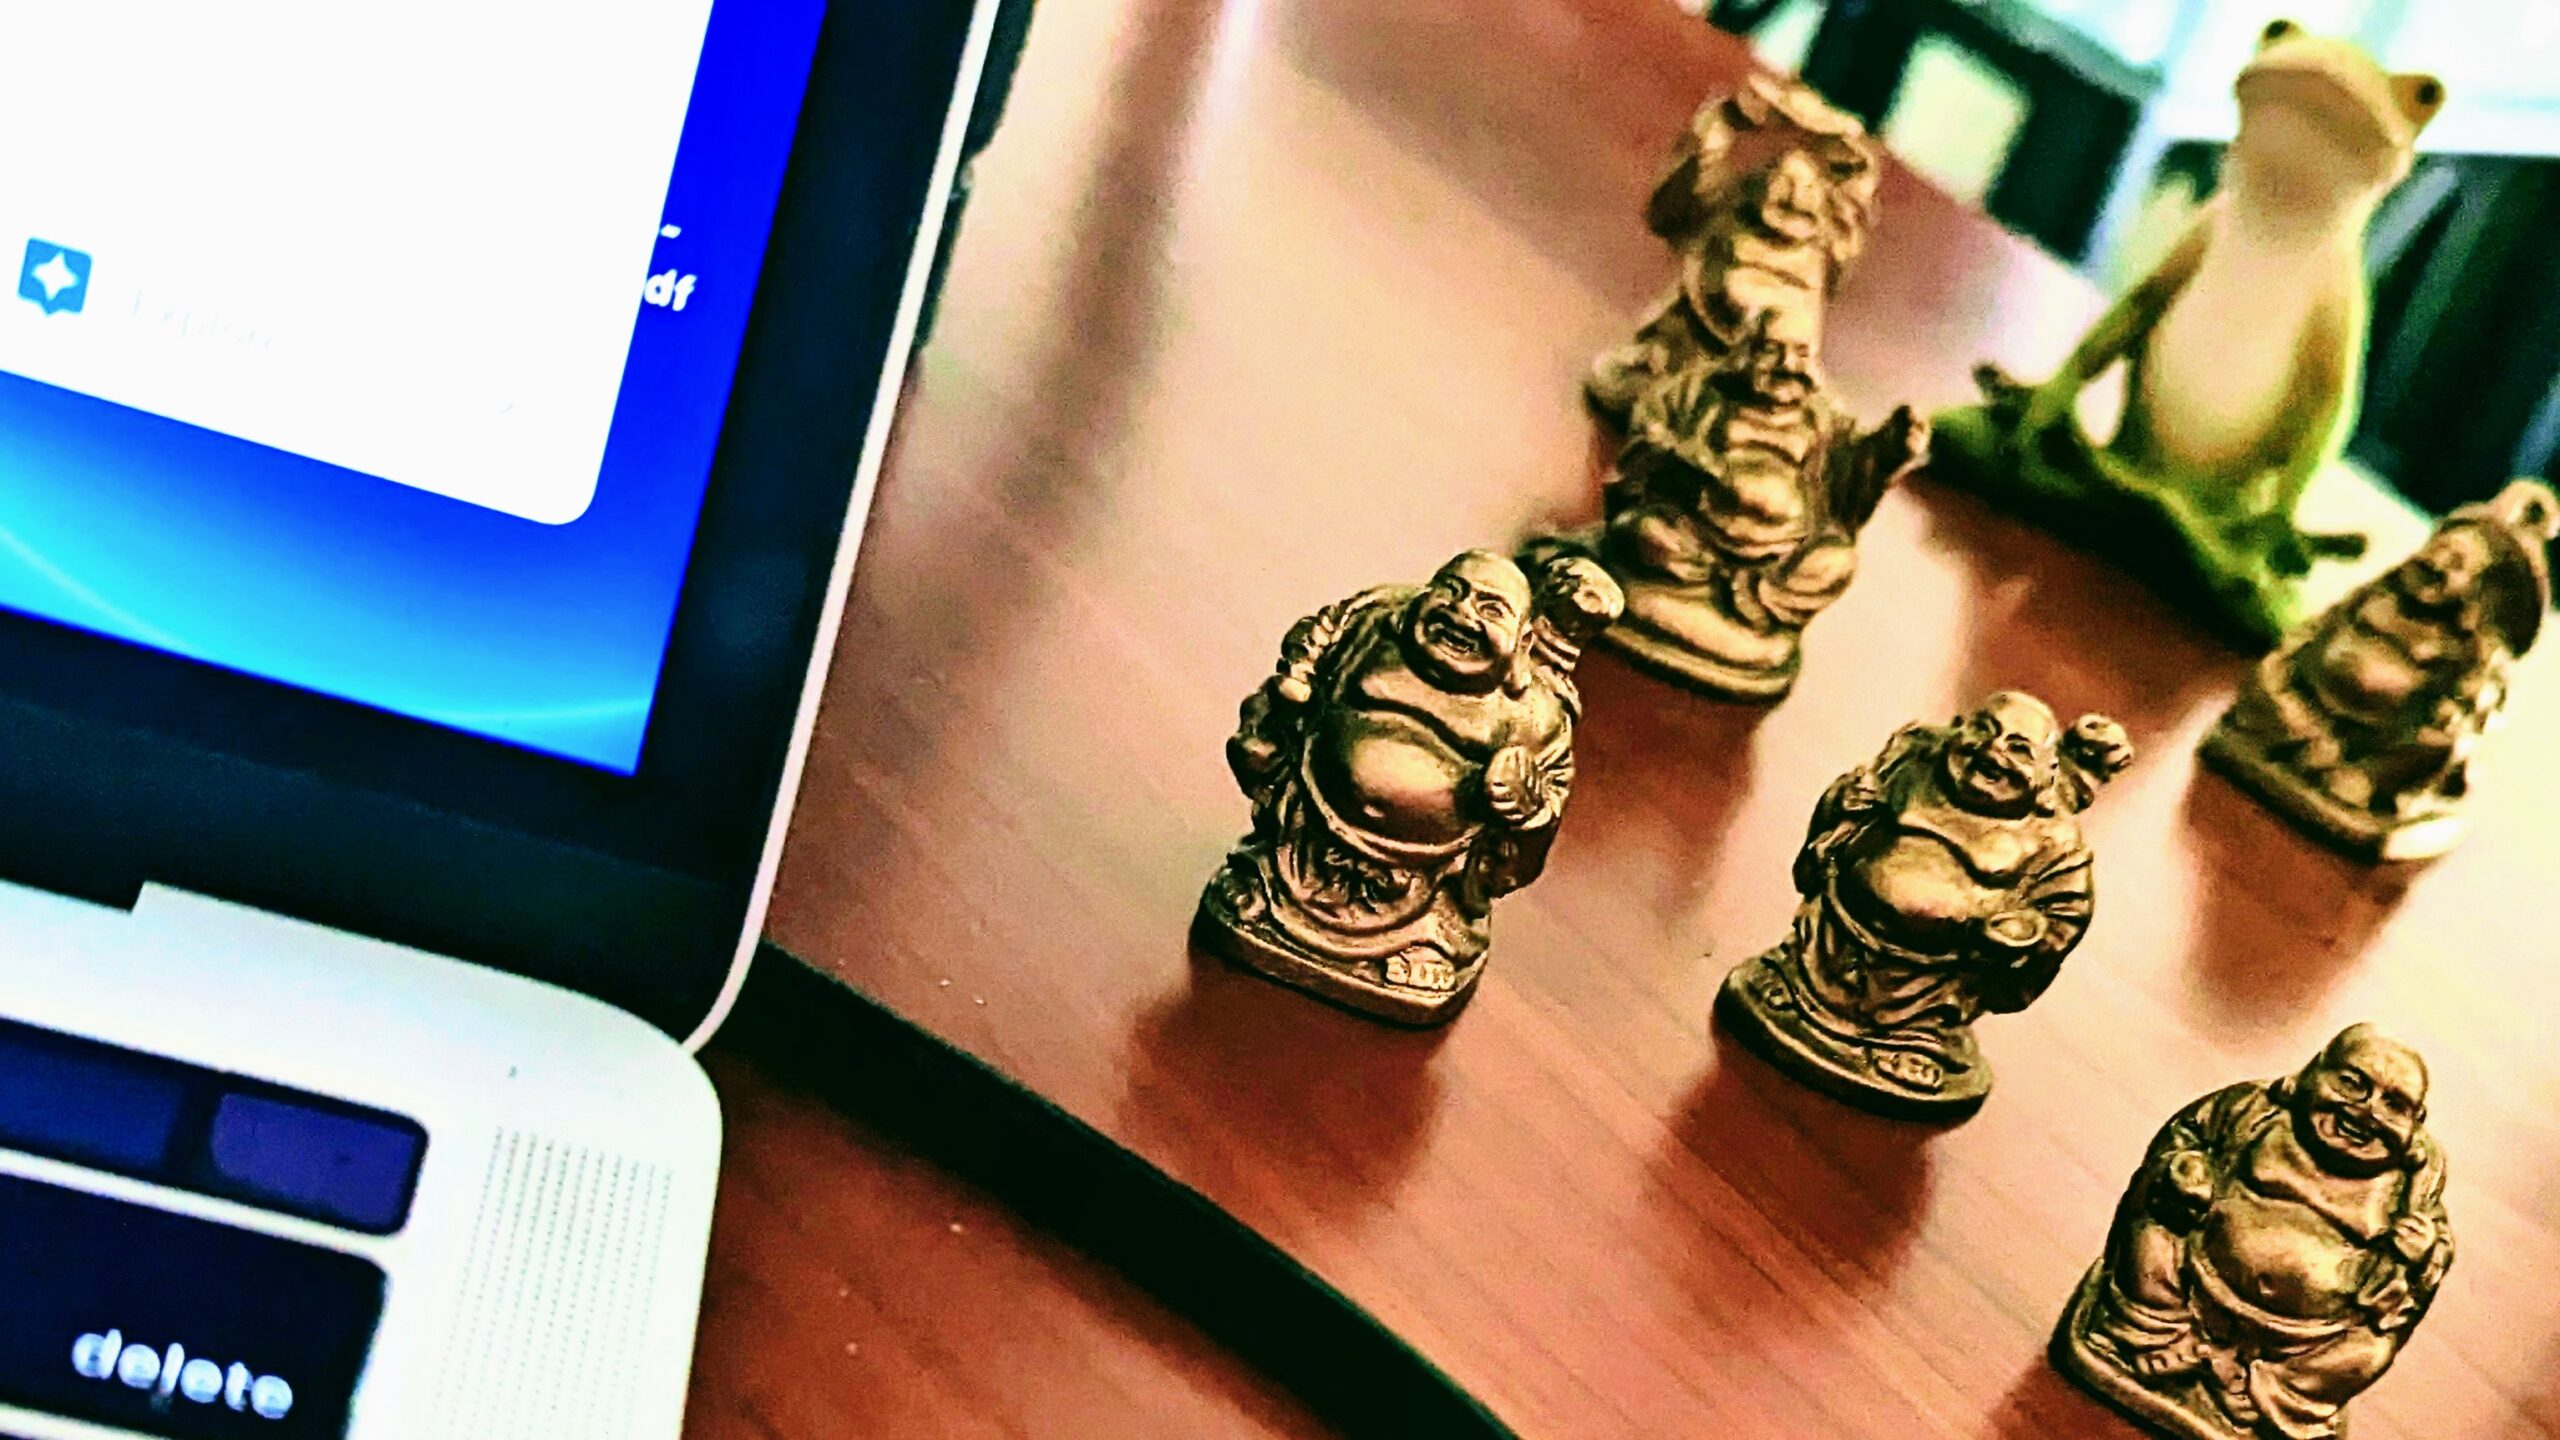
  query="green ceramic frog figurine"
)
[{"x": 2244, "y": 353}]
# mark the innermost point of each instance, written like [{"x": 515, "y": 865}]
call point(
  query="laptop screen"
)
[{"x": 382, "y": 350}]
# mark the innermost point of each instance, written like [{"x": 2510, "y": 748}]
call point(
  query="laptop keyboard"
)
[
  {"x": 190, "y": 1128},
  {"x": 172, "y": 1326},
  {"x": 128, "y": 1315}
]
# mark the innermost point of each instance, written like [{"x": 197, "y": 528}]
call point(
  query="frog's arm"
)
[
  {"x": 2123, "y": 327},
  {"x": 2328, "y": 383}
]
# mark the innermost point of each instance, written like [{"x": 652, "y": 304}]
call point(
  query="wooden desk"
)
[
  {"x": 1264, "y": 302},
  {"x": 858, "y": 1291}
]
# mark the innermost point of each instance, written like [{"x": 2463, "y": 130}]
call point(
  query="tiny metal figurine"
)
[
  {"x": 2244, "y": 352},
  {"x": 2276, "y": 1249},
  {"x": 1772, "y": 239},
  {"x": 2361, "y": 726},
  {"x": 1944, "y": 878},
  {"x": 1408, "y": 761},
  {"x": 1734, "y": 513}
]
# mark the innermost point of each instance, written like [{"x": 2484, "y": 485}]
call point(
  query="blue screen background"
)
[{"x": 548, "y": 637}]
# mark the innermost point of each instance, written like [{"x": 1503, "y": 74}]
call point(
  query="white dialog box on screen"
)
[{"x": 405, "y": 237}]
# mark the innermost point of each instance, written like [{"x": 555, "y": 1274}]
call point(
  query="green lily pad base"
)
[{"x": 2240, "y": 574}]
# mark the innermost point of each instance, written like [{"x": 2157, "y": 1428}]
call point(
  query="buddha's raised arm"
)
[
  {"x": 2177, "y": 1179},
  {"x": 2417, "y": 1252},
  {"x": 1268, "y": 723},
  {"x": 1852, "y": 797}
]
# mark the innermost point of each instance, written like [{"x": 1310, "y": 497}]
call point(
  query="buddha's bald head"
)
[
  {"x": 2003, "y": 758},
  {"x": 2360, "y": 1104},
  {"x": 1465, "y": 625}
]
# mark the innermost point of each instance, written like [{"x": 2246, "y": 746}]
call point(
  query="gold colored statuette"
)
[
  {"x": 2279, "y": 1245},
  {"x": 1771, "y": 238},
  {"x": 1408, "y": 762},
  {"x": 1733, "y": 517},
  {"x": 1944, "y": 878},
  {"x": 2361, "y": 726}
]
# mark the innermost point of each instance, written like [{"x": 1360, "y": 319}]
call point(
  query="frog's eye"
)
[
  {"x": 2275, "y": 31},
  {"x": 2420, "y": 96}
]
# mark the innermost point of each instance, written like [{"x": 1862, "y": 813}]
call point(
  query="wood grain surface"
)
[
  {"x": 857, "y": 1290},
  {"x": 1263, "y": 302}
]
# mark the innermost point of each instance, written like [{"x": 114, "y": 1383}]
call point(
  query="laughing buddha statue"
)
[
  {"x": 2280, "y": 1243},
  {"x": 1943, "y": 879},
  {"x": 1408, "y": 762},
  {"x": 2363, "y": 725}
]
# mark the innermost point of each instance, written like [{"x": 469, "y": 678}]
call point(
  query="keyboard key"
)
[{"x": 176, "y": 1327}]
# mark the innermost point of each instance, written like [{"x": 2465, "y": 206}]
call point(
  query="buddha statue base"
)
[
  {"x": 1683, "y": 633},
  {"x": 1764, "y": 1011},
  {"x": 2352, "y": 829},
  {"x": 1358, "y": 985}
]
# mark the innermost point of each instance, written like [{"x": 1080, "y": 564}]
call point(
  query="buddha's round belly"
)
[
  {"x": 1392, "y": 774},
  {"x": 1913, "y": 890},
  {"x": 2364, "y": 677},
  {"x": 2281, "y": 1255},
  {"x": 1760, "y": 510}
]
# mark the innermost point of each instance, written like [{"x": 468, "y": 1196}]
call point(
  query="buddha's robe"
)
[{"x": 2285, "y": 1297}]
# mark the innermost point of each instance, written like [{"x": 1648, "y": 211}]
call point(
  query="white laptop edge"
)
[{"x": 875, "y": 445}]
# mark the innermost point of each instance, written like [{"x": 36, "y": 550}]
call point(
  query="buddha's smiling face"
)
[
  {"x": 2446, "y": 572},
  {"x": 2004, "y": 755},
  {"x": 2358, "y": 1107},
  {"x": 1466, "y": 624},
  {"x": 1781, "y": 369}
]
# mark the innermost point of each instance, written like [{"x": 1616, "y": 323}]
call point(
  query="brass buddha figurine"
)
[
  {"x": 2361, "y": 726},
  {"x": 1771, "y": 239},
  {"x": 1408, "y": 761},
  {"x": 1733, "y": 515},
  {"x": 1943, "y": 879},
  {"x": 2280, "y": 1243}
]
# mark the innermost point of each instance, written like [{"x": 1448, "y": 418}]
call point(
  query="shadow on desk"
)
[{"x": 1063, "y": 1175}]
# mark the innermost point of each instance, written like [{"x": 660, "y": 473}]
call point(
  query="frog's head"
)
[{"x": 2320, "y": 118}]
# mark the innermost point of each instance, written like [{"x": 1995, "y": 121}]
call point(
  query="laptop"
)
[{"x": 433, "y": 444}]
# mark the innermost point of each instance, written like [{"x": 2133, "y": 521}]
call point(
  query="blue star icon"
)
[{"x": 54, "y": 277}]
